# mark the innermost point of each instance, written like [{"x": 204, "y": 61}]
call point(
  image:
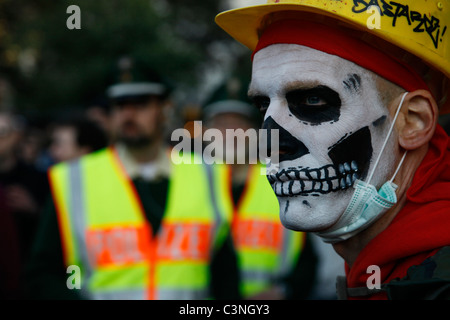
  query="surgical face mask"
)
[{"x": 367, "y": 204}]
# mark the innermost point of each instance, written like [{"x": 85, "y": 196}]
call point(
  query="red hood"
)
[{"x": 419, "y": 229}]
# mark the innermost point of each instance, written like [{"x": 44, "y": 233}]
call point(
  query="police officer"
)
[{"x": 134, "y": 224}]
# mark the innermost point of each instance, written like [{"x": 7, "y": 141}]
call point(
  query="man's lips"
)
[{"x": 304, "y": 180}]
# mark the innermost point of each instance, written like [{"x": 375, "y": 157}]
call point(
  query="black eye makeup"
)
[
  {"x": 261, "y": 103},
  {"x": 315, "y": 105}
]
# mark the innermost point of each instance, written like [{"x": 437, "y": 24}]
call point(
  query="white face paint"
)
[{"x": 332, "y": 124}]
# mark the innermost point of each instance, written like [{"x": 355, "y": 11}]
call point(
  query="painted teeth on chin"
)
[
  {"x": 323, "y": 173},
  {"x": 349, "y": 181},
  {"x": 354, "y": 166},
  {"x": 349, "y": 174},
  {"x": 326, "y": 172},
  {"x": 329, "y": 178},
  {"x": 346, "y": 167},
  {"x": 343, "y": 184}
]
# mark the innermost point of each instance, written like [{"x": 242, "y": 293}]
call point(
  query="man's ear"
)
[{"x": 417, "y": 126}]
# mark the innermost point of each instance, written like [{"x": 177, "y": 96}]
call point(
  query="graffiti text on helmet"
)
[{"x": 401, "y": 13}]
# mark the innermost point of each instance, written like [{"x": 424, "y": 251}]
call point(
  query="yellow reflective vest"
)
[
  {"x": 266, "y": 250},
  {"x": 104, "y": 230}
]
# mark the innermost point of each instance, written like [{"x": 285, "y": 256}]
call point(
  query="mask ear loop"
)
[
  {"x": 398, "y": 167},
  {"x": 386, "y": 140}
]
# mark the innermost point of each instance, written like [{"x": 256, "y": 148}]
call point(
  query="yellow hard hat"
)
[{"x": 418, "y": 27}]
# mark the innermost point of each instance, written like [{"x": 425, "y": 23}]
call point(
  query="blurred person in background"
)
[
  {"x": 99, "y": 111},
  {"x": 10, "y": 264},
  {"x": 75, "y": 136},
  {"x": 34, "y": 145},
  {"x": 24, "y": 190},
  {"x": 329, "y": 266},
  {"x": 274, "y": 262},
  {"x": 135, "y": 224}
]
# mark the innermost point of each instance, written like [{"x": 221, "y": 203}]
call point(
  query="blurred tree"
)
[{"x": 50, "y": 66}]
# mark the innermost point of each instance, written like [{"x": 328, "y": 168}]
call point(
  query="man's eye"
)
[
  {"x": 314, "y": 101},
  {"x": 262, "y": 103},
  {"x": 315, "y": 105}
]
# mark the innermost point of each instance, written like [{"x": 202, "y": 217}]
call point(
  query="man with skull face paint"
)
[{"x": 357, "y": 109}]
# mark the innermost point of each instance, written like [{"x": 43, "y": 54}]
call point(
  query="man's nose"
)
[
  {"x": 290, "y": 148},
  {"x": 128, "y": 110}
]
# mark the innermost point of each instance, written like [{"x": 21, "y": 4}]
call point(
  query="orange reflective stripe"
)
[
  {"x": 184, "y": 241},
  {"x": 118, "y": 245},
  {"x": 153, "y": 261},
  {"x": 257, "y": 234},
  {"x": 67, "y": 238},
  {"x": 115, "y": 243}
]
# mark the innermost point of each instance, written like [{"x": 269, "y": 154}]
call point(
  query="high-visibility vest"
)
[
  {"x": 105, "y": 232},
  {"x": 266, "y": 250}
]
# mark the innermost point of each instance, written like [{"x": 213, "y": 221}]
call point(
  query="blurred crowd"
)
[{"x": 29, "y": 148}]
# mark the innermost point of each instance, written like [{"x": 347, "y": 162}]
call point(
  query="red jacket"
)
[{"x": 419, "y": 230}]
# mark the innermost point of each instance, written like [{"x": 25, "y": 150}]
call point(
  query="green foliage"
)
[{"x": 51, "y": 66}]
